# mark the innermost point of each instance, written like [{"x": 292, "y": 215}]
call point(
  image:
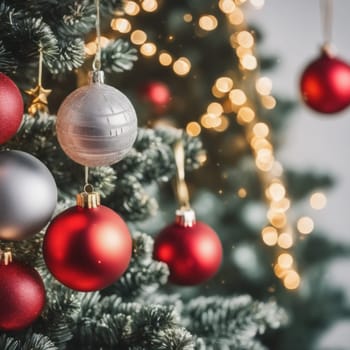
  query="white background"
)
[{"x": 292, "y": 31}]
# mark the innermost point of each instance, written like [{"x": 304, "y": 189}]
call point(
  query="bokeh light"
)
[
  {"x": 285, "y": 260},
  {"x": 224, "y": 84},
  {"x": 249, "y": 62},
  {"x": 261, "y": 129},
  {"x": 208, "y": 22},
  {"x": 269, "y": 235},
  {"x": 165, "y": 59},
  {"x": 245, "y": 115},
  {"x": 236, "y": 17},
  {"x": 131, "y": 8},
  {"x": 305, "y": 225},
  {"x": 193, "y": 129},
  {"x": 245, "y": 39},
  {"x": 149, "y": 5},
  {"x": 242, "y": 192},
  {"x": 318, "y": 200},
  {"x": 238, "y": 97},
  {"x": 138, "y": 37},
  {"x": 269, "y": 102},
  {"x": 121, "y": 25},
  {"x": 227, "y": 6},
  {"x": 148, "y": 49},
  {"x": 285, "y": 240},
  {"x": 291, "y": 280},
  {"x": 276, "y": 191},
  {"x": 215, "y": 108},
  {"x": 263, "y": 86},
  {"x": 182, "y": 66}
]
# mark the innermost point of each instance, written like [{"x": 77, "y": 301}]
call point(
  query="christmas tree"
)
[{"x": 192, "y": 65}]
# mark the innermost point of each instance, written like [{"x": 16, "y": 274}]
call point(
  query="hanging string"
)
[
  {"x": 40, "y": 72},
  {"x": 326, "y": 9},
  {"x": 96, "y": 64},
  {"x": 86, "y": 174},
  {"x": 181, "y": 186}
]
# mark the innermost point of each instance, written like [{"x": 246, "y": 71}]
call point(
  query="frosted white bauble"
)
[{"x": 96, "y": 124}]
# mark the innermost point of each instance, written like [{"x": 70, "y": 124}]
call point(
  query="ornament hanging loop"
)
[
  {"x": 181, "y": 188},
  {"x": 96, "y": 64},
  {"x": 326, "y": 9}
]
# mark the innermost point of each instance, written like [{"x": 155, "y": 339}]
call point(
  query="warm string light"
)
[
  {"x": 234, "y": 99},
  {"x": 278, "y": 233},
  {"x": 181, "y": 66}
]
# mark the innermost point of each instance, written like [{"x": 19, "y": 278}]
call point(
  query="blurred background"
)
[{"x": 293, "y": 30}]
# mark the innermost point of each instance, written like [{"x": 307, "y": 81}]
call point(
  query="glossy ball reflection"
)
[
  {"x": 325, "y": 84},
  {"x": 22, "y": 296},
  {"x": 11, "y": 108},
  {"x": 28, "y": 195},
  {"x": 193, "y": 254},
  {"x": 96, "y": 125},
  {"x": 87, "y": 249}
]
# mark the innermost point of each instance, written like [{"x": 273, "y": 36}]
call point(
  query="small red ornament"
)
[
  {"x": 87, "y": 247},
  {"x": 157, "y": 93},
  {"x": 325, "y": 84},
  {"x": 192, "y": 250},
  {"x": 11, "y": 108},
  {"x": 22, "y": 295}
]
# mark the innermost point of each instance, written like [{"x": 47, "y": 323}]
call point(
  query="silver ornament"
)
[
  {"x": 28, "y": 195},
  {"x": 96, "y": 124}
]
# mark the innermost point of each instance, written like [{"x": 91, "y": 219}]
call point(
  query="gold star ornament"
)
[{"x": 39, "y": 103}]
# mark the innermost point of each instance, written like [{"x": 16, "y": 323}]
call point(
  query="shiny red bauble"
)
[
  {"x": 157, "y": 93},
  {"x": 87, "y": 249},
  {"x": 325, "y": 84},
  {"x": 193, "y": 254},
  {"x": 11, "y": 108},
  {"x": 22, "y": 296}
]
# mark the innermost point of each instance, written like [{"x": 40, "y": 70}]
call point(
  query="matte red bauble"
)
[
  {"x": 193, "y": 253},
  {"x": 87, "y": 249},
  {"x": 11, "y": 108},
  {"x": 325, "y": 84},
  {"x": 22, "y": 296},
  {"x": 157, "y": 93}
]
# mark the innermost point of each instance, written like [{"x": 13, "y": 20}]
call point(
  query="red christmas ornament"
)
[
  {"x": 325, "y": 84},
  {"x": 11, "y": 108},
  {"x": 87, "y": 247},
  {"x": 157, "y": 93},
  {"x": 22, "y": 295},
  {"x": 192, "y": 250}
]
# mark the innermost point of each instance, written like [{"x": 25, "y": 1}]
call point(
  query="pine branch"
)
[
  {"x": 63, "y": 306},
  {"x": 74, "y": 19},
  {"x": 32, "y": 341},
  {"x": 144, "y": 275},
  {"x": 23, "y": 36},
  {"x": 70, "y": 55},
  {"x": 172, "y": 339},
  {"x": 238, "y": 320},
  {"x": 8, "y": 63},
  {"x": 118, "y": 56}
]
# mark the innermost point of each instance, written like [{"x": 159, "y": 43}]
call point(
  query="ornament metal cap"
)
[
  {"x": 97, "y": 77},
  {"x": 185, "y": 217},
  {"x": 89, "y": 198},
  {"x": 5, "y": 256}
]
